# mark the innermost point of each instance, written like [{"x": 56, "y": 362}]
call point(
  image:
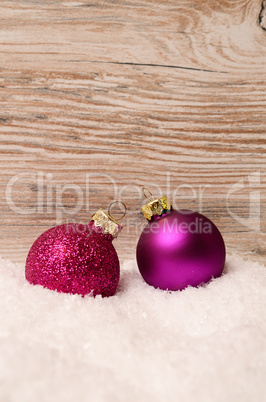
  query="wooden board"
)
[{"x": 98, "y": 99}]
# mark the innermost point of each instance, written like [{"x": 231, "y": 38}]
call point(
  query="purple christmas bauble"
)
[
  {"x": 179, "y": 249},
  {"x": 74, "y": 258}
]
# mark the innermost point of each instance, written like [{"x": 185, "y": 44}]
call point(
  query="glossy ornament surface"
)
[{"x": 180, "y": 248}]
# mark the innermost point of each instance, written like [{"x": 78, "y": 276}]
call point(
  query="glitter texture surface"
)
[{"x": 74, "y": 258}]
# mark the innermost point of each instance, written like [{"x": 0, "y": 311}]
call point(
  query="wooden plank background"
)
[{"x": 98, "y": 99}]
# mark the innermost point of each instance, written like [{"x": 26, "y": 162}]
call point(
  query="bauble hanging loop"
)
[
  {"x": 146, "y": 189},
  {"x": 124, "y": 213}
]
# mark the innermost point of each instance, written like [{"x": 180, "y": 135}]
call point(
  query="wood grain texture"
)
[{"x": 111, "y": 96}]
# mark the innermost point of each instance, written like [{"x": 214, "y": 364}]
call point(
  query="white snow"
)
[{"x": 143, "y": 344}]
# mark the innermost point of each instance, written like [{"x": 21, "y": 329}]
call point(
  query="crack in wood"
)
[
  {"x": 158, "y": 65},
  {"x": 262, "y": 15}
]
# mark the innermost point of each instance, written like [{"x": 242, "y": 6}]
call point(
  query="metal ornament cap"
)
[
  {"x": 107, "y": 223},
  {"x": 156, "y": 207}
]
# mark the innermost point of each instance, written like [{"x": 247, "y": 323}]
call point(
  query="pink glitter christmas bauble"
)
[{"x": 74, "y": 258}]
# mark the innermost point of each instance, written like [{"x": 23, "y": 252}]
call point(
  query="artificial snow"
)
[{"x": 143, "y": 344}]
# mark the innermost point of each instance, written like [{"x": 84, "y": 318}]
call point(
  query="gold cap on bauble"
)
[
  {"x": 107, "y": 222},
  {"x": 156, "y": 206}
]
